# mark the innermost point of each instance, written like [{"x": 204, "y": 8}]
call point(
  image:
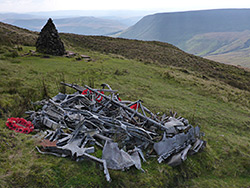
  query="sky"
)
[{"x": 26, "y": 6}]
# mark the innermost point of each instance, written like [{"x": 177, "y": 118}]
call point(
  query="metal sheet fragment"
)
[
  {"x": 118, "y": 159},
  {"x": 178, "y": 158}
]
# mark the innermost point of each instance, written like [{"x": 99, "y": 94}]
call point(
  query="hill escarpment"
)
[{"x": 199, "y": 32}]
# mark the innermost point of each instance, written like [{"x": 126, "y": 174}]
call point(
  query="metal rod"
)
[{"x": 127, "y": 108}]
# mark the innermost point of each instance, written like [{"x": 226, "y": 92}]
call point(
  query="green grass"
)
[
  {"x": 161, "y": 54},
  {"x": 221, "y": 110}
]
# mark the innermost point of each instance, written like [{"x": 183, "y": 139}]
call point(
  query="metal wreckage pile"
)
[{"x": 124, "y": 130}]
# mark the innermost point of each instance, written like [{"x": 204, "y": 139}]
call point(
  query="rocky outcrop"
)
[{"x": 49, "y": 41}]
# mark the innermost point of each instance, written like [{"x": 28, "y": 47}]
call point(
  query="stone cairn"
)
[{"x": 49, "y": 41}]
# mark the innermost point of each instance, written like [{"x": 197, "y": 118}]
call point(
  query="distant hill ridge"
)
[
  {"x": 189, "y": 30},
  {"x": 178, "y": 26},
  {"x": 80, "y": 25}
]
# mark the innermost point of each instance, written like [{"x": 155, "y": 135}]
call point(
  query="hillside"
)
[
  {"x": 78, "y": 25},
  {"x": 12, "y": 35},
  {"x": 4, "y": 16},
  {"x": 163, "y": 54},
  {"x": 209, "y": 94},
  {"x": 195, "y": 30},
  {"x": 226, "y": 47}
]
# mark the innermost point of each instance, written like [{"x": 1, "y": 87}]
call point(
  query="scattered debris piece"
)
[
  {"x": 19, "y": 48},
  {"x": 32, "y": 52},
  {"x": 70, "y": 54},
  {"x": 86, "y": 58},
  {"x": 118, "y": 159},
  {"x": 124, "y": 130}
]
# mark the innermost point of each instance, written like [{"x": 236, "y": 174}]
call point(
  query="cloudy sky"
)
[{"x": 23, "y": 6}]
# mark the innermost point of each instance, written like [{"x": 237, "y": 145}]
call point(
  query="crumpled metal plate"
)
[{"x": 118, "y": 159}]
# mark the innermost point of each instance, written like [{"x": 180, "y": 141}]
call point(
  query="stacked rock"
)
[{"x": 49, "y": 41}]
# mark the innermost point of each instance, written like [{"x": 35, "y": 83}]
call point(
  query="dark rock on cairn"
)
[{"x": 49, "y": 41}]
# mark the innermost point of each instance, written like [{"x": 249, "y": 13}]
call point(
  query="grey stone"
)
[{"x": 49, "y": 41}]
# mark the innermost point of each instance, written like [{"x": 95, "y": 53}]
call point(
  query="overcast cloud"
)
[{"x": 23, "y": 6}]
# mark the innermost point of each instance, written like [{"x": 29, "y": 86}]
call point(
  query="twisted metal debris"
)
[{"x": 124, "y": 130}]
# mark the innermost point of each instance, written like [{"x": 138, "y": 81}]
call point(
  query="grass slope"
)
[
  {"x": 163, "y": 55},
  {"x": 14, "y": 35},
  {"x": 220, "y": 109},
  {"x": 226, "y": 47},
  {"x": 240, "y": 58}
]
